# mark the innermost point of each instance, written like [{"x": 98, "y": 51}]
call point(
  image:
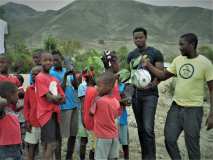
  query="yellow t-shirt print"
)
[{"x": 192, "y": 74}]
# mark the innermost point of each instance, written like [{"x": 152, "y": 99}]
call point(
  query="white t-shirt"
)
[{"x": 3, "y": 31}]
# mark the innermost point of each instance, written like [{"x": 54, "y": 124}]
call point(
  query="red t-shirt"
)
[
  {"x": 90, "y": 96},
  {"x": 45, "y": 83},
  {"x": 10, "y": 78},
  {"x": 10, "y": 133},
  {"x": 106, "y": 111},
  {"x": 116, "y": 92},
  {"x": 30, "y": 106}
]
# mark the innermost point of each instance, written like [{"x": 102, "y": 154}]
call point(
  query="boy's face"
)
[
  {"x": 57, "y": 61},
  {"x": 36, "y": 59},
  {"x": 13, "y": 97},
  {"x": 46, "y": 61},
  {"x": 4, "y": 64}
]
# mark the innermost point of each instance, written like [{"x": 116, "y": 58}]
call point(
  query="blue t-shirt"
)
[
  {"x": 72, "y": 101},
  {"x": 124, "y": 116}
]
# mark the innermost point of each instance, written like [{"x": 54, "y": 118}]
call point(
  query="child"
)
[
  {"x": 4, "y": 71},
  {"x": 20, "y": 106},
  {"x": 36, "y": 60},
  {"x": 10, "y": 134},
  {"x": 105, "y": 110},
  {"x": 123, "y": 123},
  {"x": 32, "y": 136},
  {"x": 111, "y": 64},
  {"x": 87, "y": 96},
  {"x": 69, "y": 110},
  {"x": 49, "y": 95},
  {"x": 4, "y": 74}
]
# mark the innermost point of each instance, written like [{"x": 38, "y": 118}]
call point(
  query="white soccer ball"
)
[{"x": 140, "y": 78}]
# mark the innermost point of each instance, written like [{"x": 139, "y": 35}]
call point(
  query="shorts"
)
[
  {"x": 50, "y": 132},
  {"x": 69, "y": 123},
  {"x": 82, "y": 132},
  {"x": 106, "y": 148},
  {"x": 11, "y": 152},
  {"x": 123, "y": 134},
  {"x": 34, "y": 136}
]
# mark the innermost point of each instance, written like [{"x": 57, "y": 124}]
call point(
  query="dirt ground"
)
[{"x": 206, "y": 139}]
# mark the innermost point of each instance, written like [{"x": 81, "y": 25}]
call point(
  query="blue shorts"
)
[
  {"x": 11, "y": 152},
  {"x": 123, "y": 134}
]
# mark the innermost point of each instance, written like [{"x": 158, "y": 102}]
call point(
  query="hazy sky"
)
[{"x": 57, "y": 4}]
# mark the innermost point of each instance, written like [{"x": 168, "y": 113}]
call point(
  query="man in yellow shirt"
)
[{"x": 192, "y": 71}]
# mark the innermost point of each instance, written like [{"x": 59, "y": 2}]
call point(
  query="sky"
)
[{"x": 42, "y": 5}]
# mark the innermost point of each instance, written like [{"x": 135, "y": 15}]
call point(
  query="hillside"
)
[{"x": 109, "y": 20}]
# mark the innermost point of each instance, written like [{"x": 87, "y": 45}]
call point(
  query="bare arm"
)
[
  {"x": 160, "y": 74},
  {"x": 209, "y": 121}
]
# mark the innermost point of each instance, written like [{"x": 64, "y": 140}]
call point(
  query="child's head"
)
[
  {"x": 110, "y": 61},
  {"x": 57, "y": 59},
  {"x": 37, "y": 56},
  {"x": 20, "y": 78},
  {"x": 4, "y": 64},
  {"x": 105, "y": 83},
  {"x": 46, "y": 61},
  {"x": 9, "y": 91},
  {"x": 35, "y": 71},
  {"x": 90, "y": 80}
]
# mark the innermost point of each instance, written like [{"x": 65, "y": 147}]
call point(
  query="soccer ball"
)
[{"x": 140, "y": 78}]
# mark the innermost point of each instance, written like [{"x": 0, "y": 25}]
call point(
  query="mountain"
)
[{"x": 86, "y": 20}]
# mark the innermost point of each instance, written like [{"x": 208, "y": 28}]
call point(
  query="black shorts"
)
[{"x": 50, "y": 132}]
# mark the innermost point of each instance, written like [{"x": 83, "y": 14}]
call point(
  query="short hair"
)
[
  {"x": 57, "y": 52},
  {"x": 191, "y": 38},
  {"x": 20, "y": 78},
  {"x": 140, "y": 29},
  {"x": 108, "y": 56},
  {"x": 108, "y": 78},
  {"x": 38, "y": 52},
  {"x": 6, "y": 88}
]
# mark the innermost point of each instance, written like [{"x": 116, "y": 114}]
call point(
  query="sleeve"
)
[
  {"x": 208, "y": 71},
  {"x": 119, "y": 110},
  {"x": 172, "y": 67},
  {"x": 27, "y": 105},
  {"x": 81, "y": 91},
  {"x": 5, "y": 28},
  {"x": 42, "y": 87},
  {"x": 159, "y": 56},
  {"x": 93, "y": 107}
]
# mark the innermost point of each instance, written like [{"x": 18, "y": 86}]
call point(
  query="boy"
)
[
  {"x": 36, "y": 60},
  {"x": 111, "y": 64},
  {"x": 69, "y": 110},
  {"x": 49, "y": 95},
  {"x": 32, "y": 136},
  {"x": 105, "y": 110},
  {"x": 4, "y": 74},
  {"x": 10, "y": 133}
]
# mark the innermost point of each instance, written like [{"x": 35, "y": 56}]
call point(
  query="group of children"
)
[{"x": 59, "y": 104}]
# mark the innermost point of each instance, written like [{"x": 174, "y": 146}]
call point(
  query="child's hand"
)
[{"x": 28, "y": 127}]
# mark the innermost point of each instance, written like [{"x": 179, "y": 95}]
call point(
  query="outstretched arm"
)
[
  {"x": 209, "y": 121},
  {"x": 160, "y": 74}
]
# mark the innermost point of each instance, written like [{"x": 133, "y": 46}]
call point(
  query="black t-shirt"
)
[{"x": 155, "y": 56}]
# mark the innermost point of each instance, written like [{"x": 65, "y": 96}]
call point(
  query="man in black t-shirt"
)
[{"x": 144, "y": 101}]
